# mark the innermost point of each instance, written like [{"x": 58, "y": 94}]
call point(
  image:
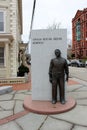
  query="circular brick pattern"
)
[{"x": 46, "y": 107}]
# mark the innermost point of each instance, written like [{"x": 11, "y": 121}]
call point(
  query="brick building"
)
[{"x": 79, "y": 34}]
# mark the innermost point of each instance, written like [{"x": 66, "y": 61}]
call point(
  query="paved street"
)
[
  {"x": 80, "y": 73},
  {"x": 14, "y": 117}
]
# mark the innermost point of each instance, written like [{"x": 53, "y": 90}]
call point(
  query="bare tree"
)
[{"x": 54, "y": 26}]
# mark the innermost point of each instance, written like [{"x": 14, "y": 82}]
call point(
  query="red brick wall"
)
[{"x": 80, "y": 46}]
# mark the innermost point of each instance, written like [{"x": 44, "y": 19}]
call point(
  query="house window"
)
[
  {"x": 78, "y": 30},
  {"x": 1, "y": 21},
  {"x": 1, "y": 55}
]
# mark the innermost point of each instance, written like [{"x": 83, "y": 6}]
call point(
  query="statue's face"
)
[{"x": 57, "y": 53}]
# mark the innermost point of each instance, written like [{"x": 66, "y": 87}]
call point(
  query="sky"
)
[{"x": 49, "y": 12}]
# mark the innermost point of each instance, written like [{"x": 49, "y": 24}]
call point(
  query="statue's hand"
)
[
  {"x": 67, "y": 78},
  {"x": 50, "y": 80}
]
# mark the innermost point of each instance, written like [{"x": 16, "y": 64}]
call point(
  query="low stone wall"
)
[{"x": 15, "y": 80}]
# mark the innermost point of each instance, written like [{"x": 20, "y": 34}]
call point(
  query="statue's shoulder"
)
[
  {"x": 52, "y": 60},
  {"x": 63, "y": 59}
]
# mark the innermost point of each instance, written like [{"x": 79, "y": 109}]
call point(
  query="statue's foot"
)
[
  {"x": 53, "y": 101},
  {"x": 62, "y": 101}
]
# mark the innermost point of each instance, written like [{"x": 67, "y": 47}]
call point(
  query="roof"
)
[{"x": 78, "y": 13}]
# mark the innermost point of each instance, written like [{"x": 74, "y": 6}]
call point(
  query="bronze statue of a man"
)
[{"x": 57, "y": 70}]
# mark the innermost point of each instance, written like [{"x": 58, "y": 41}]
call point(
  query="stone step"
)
[{"x": 5, "y": 89}]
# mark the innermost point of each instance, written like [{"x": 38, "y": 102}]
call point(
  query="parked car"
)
[
  {"x": 86, "y": 63},
  {"x": 69, "y": 63},
  {"x": 77, "y": 63}
]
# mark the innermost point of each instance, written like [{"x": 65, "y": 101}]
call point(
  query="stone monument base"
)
[{"x": 46, "y": 107}]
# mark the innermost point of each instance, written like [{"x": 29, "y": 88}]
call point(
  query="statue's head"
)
[{"x": 57, "y": 52}]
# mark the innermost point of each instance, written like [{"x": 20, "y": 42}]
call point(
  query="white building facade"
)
[{"x": 10, "y": 36}]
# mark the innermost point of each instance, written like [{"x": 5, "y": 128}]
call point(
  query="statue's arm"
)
[
  {"x": 50, "y": 71},
  {"x": 66, "y": 71}
]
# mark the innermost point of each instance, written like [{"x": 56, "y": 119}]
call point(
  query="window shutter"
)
[
  {"x": 1, "y": 21},
  {"x": 1, "y": 55}
]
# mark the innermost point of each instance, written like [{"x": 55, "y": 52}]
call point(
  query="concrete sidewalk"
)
[{"x": 14, "y": 117}]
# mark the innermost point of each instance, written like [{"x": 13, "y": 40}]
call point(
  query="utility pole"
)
[
  {"x": 33, "y": 12},
  {"x": 31, "y": 25}
]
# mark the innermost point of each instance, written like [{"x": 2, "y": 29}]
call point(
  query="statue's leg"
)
[
  {"x": 62, "y": 89},
  {"x": 54, "y": 91}
]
